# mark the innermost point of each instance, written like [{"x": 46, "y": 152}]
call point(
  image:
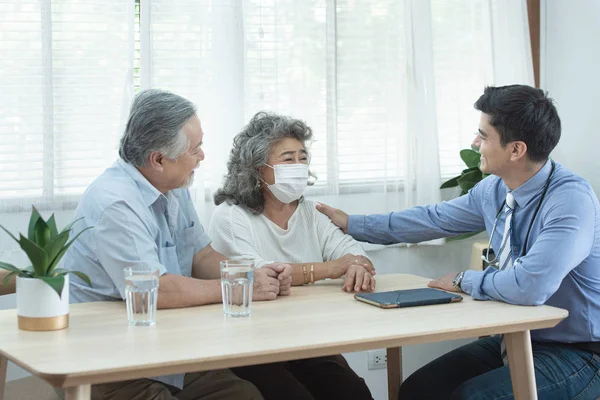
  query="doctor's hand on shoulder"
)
[{"x": 338, "y": 217}]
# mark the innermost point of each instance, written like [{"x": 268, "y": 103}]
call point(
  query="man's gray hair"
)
[
  {"x": 155, "y": 123},
  {"x": 251, "y": 148}
]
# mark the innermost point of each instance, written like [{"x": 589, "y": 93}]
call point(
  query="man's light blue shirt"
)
[
  {"x": 133, "y": 223},
  {"x": 561, "y": 266}
]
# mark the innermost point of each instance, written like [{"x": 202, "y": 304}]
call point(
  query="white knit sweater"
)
[{"x": 310, "y": 237}]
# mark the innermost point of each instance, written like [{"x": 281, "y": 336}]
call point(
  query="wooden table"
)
[{"x": 315, "y": 320}]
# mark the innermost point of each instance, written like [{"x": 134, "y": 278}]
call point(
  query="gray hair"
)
[
  {"x": 250, "y": 151},
  {"x": 155, "y": 123}
]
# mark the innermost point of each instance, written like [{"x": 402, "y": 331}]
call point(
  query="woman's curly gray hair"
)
[{"x": 250, "y": 151}]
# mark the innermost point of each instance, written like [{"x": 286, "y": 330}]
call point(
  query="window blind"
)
[
  {"x": 63, "y": 72},
  {"x": 68, "y": 71},
  {"x": 462, "y": 68}
]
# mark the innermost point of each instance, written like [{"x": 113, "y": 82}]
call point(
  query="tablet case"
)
[{"x": 408, "y": 298}]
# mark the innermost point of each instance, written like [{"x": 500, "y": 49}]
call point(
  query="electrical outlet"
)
[{"x": 377, "y": 359}]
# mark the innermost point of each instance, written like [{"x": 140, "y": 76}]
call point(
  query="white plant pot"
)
[{"x": 39, "y": 308}]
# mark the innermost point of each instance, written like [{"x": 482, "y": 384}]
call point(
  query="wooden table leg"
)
[
  {"x": 82, "y": 392},
  {"x": 394, "y": 371},
  {"x": 520, "y": 362},
  {"x": 3, "y": 369}
]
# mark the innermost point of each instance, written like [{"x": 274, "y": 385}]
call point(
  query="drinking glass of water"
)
[
  {"x": 237, "y": 278},
  {"x": 141, "y": 291}
]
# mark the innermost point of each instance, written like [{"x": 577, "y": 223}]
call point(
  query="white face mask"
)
[{"x": 290, "y": 181}]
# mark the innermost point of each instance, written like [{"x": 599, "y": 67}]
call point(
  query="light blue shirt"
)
[
  {"x": 133, "y": 223},
  {"x": 561, "y": 266}
]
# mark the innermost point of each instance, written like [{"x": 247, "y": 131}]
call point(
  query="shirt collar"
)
[
  {"x": 149, "y": 193},
  {"x": 524, "y": 193}
]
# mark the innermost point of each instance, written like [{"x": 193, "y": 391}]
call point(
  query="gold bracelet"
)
[
  {"x": 312, "y": 273},
  {"x": 305, "y": 275}
]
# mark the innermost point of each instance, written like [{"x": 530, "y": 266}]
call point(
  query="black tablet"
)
[{"x": 408, "y": 298}]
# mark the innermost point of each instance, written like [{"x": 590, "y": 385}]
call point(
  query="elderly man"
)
[{"x": 142, "y": 213}]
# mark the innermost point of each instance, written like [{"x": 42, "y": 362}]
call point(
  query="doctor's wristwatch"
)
[{"x": 457, "y": 280}]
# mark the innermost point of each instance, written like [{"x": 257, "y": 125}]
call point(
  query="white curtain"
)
[
  {"x": 386, "y": 85},
  {"x": 64, "y": 69}
]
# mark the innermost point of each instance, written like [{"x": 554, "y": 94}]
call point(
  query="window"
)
[
  {"x": 69, "y": 70},
  {"x": 63, "y": 69}
]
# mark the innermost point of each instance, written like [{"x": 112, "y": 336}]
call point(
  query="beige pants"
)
[{"x": 220, "y": 384}]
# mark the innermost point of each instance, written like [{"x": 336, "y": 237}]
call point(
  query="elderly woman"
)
[{"x": 261, "y": 215}]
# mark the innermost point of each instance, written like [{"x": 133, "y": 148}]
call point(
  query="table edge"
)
[{"x": 144, "y": 371}]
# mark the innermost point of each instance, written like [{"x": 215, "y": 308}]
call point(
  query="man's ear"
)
[
  {"x": 156, "y": 161},
  {"x": 518, "y": 150}
]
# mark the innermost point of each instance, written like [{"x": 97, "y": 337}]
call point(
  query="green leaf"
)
[
  {"x": 56, "y": 282},
  {"x": 37, "y": 256},
  {"x": 469, "y": 179},
  {"x": 35, "y": 216},
  {"x": 68, "y": 227},
  {"x": 462, "y": 236},
  {"x": 62, "y": 252},
  {"x": 41, "y": 233},
  {"x": 7, "y": 278},
  {"x": 470, "y": 157},
  {"x": 467, "y": 170},
  {"x": 54, "y": 247},
  {"x": 9, "y": 267},
  {"x": 466, "y": 186},
  {"x": 9, "y": 234},
  {"x": 450, "y": 183},
  {"x": 63, "y": 272},
  {"x": 52, "y": 226}
]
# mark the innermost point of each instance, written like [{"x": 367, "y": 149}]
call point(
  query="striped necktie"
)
[{"x": 505, "y": 254}]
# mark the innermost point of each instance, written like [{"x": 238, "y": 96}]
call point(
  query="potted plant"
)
[
  {"x": 468, "y": 178},
  {"x": 42, "y": 288}
]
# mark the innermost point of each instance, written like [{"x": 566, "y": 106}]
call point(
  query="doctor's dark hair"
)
[
  {"x": 522, "y": 113},
  {"x": 251, "y": 148}
]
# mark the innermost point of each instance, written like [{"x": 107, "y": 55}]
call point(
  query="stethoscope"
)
[{"x": 495, "y": 262}]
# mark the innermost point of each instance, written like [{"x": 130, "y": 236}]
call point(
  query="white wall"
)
[{"x": 570, "y": 72}]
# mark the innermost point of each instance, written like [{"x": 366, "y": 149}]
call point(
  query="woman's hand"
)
[
  {"x": 341, "y": 266},
  {"x": 284, "y": 275},
  {"x": 266, "y": 284},
  {"x": 358, "y": 279}
]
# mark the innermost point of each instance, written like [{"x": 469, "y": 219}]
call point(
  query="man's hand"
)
[
  {"x": 358, "y": 279},
  {"x": 341, "y": 266},
  {"x": 338, "y": 217},
  {"x": 284, "y": 275},
  {"x": 266, "y": 284},
  {"x": 445, "y": 282}
]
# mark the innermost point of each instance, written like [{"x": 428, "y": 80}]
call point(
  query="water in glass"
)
[
  {"x": 237, "y": 279},
  {"x": 142, "y": 295}
]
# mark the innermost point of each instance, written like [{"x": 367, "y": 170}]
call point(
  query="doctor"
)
[{"x": 544, "y": 222}]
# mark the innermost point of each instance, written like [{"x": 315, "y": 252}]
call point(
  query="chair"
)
[
  {"x": 31, "y": 387},
  {"x": 477, "y": 250}
]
